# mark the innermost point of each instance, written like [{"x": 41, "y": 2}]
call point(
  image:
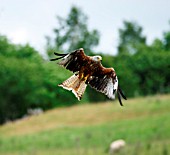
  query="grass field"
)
[{"x": 88, "y": 129}]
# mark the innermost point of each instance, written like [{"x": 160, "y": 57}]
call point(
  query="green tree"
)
[
  {"x": 28, "y": 81},
  {"x": 8, "y": 49},
  {"x": 157, "y": 45},
  {"x": 73, "y": 33},
  {"x": 130, "y": 38},
  {"x": 153, "y": 70},
  {"x": 166, "y": 40}
]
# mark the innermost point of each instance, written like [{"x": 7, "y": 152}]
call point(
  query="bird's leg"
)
[
  {"x": 85, "y": 78},
  {"x": 89, "y": 78},
  {"x": 81, "y": 75}
]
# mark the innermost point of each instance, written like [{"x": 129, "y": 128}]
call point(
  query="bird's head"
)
[{"x": 97, "y": 58}]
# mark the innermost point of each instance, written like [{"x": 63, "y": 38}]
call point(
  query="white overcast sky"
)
[{"x": 29, "y": 21}]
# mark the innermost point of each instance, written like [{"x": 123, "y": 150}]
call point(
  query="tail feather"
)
[
  {"x": 77, "y": 86},
  {"x": 68, "y": 84},
  {"x": 80, "y": 91}
]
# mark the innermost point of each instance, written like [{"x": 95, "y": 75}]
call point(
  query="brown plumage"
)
[{"x": 89, "y": 70}]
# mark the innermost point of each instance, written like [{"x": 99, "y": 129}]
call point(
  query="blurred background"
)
[{"x": 37, "y": 117}]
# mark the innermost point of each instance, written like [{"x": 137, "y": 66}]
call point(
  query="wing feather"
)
[
  {"x": 105, "y": 81},
  {"x": 72, "y": 61},
  {"x": 103, "y": 85},
  {"x": 119, "y": 98}
]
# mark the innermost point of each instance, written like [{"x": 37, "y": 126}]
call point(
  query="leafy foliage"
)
[
  {"x": 166, "y": 41},
  {"x": 28, "y": 81},
  {"x": 131, "y": 38}
]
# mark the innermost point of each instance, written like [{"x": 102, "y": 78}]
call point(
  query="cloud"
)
[{"x": 19, "y": 36}]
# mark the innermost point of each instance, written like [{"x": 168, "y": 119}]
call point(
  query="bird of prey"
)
[{"x": 88, "y": 70}]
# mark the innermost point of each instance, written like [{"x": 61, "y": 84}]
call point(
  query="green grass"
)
[{"x": 88, "y": 129}]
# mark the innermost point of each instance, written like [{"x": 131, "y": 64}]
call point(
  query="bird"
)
[{"x": 88, "y": 70}]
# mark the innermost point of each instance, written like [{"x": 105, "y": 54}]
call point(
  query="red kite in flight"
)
[{"x": 89, "y": 70}]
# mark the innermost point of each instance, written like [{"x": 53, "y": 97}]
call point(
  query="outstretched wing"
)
[
  {"x": 105, "y": 81},
  {"x": 72, "y": 61}
]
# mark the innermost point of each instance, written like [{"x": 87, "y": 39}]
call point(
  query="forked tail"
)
[{"x": 77, "y": 86}]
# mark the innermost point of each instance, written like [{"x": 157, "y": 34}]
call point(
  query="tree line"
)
[{"x": 29, "y": 81}]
